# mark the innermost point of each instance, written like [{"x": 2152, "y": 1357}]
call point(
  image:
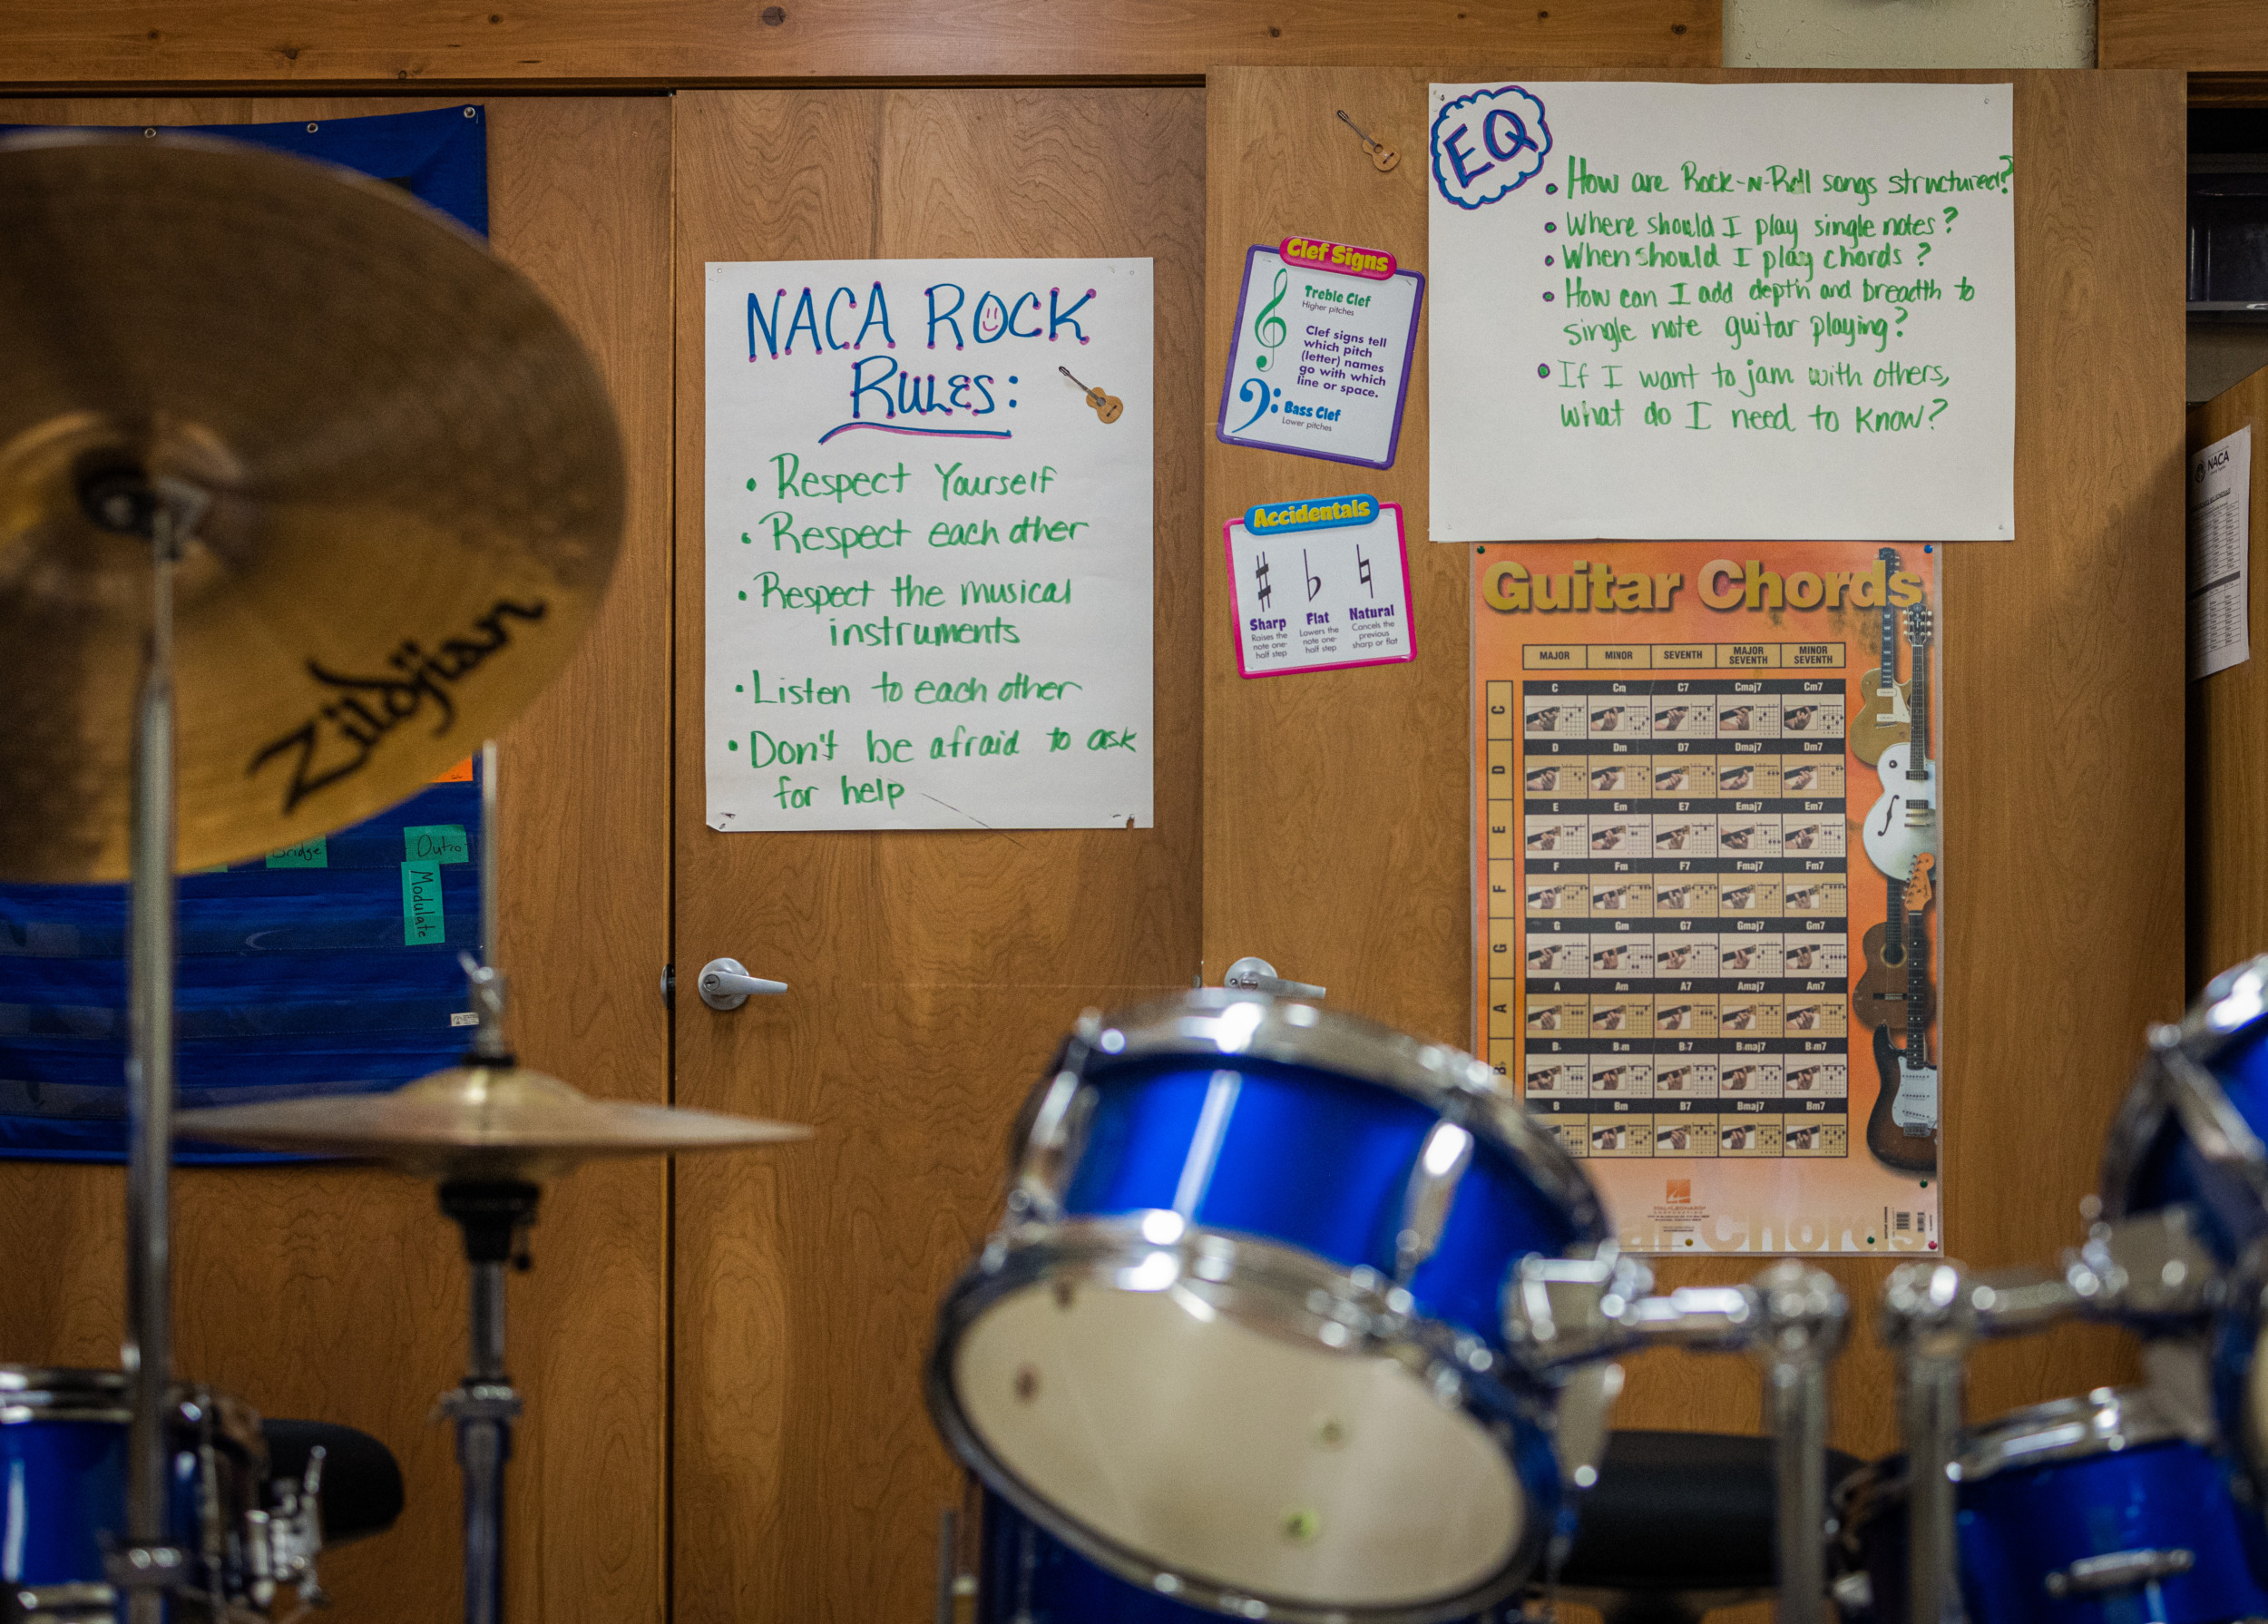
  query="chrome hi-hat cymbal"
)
[
  {"x": 409, "y": 474},
  {"x": 480, "y": 1122}
]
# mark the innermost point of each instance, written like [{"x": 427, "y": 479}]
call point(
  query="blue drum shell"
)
[
  {"x": 1026, "y": 1576},
  {"x": 2170, "y": 1171},
  {"x": 1314, "y": 1160},
  {"x": 2018, "y": 1526},
  {"x": 65, "y": 1485}
]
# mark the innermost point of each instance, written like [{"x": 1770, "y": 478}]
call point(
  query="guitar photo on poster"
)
[
  {"x": 1901, "y": 1130},
  {"x": 1882, "y": 718}
]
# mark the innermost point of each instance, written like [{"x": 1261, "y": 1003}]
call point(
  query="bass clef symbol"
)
[{"x": 1267, "y": 322}]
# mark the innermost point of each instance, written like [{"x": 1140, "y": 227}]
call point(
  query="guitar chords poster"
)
[{"x": 1706, "y": 874}]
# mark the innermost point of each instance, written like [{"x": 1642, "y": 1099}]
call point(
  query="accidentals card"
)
[
  {"x": 1319, "y": 585},
  {"x": 1320, "y": 363}
]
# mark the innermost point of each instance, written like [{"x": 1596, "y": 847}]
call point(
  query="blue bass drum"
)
[
  {"x": 63, "y": 1497},
  {"x": 1239, "y": 1341},
  {"x": 1027, "y": 1576},
  {"x": 2086, "y": 1511}
]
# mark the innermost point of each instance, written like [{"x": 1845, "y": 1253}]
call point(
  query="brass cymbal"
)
[
  {"x": 415, "y": 488},
  {"x": 486, "y": 1123}
]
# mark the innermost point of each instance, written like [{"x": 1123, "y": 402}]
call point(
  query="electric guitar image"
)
[
  {"x": 1880, "y": 997},
  {"x": 1902, "y": 1132},
  {"x": 1902, "y": 825},
  {"x": 1882, "y": 717}
]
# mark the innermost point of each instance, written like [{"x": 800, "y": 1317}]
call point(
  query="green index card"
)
[
  {"x": 423, "y": 923},
  {"x": 436, "y": 843},
  {"x": 307, "y": 853}
]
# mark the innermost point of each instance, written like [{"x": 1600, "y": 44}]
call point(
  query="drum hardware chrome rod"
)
[
  {"x": 491, "y": 1213},
  {"x": 1566, "y": 1312},
  {"x": 1805, "y": 1316},
  {"x": 146, "y": 1562},
  {"x": 490, "y": 842},
  {"x": 2150, "y": 1268}
]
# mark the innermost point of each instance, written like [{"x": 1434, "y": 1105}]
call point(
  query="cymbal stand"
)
[
  {"x": 147, "y": 1563},
  {"x": 1563, "y": 1313},
  {"x": 490, "y": 1213}
]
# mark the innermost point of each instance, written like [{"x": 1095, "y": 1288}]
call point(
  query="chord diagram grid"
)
[{"x": 1667, "y": 900}]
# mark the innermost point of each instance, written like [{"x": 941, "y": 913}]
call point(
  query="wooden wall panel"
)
[
  {"x": 1338, "y": 807},
  {"x": 339, "y": 1292},
  {"x": 2201, "y": 35},
  {"x": 2228, "y": 758},
  {"x": 323, "y": 43},
  {"x": 931, "y": 973}
]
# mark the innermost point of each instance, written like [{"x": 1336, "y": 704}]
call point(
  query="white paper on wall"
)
[
  {"x": 929, "y": 555},
  {"x": 1736, "y": 312}
]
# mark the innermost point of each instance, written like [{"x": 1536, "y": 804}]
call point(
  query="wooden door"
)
[
  {"x": 2063, "y": 678},
  {"x": 338, "y": 1293},
  {"x": 931, "y": 973}
]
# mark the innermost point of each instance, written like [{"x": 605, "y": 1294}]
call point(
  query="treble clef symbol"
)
[{"x": 1267, "y": 319}]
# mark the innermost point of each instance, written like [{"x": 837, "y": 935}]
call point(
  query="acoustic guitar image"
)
[
  {"x": 1880, "y": 997},
  {"x": 1107, "y": 406},
  {"x": 1901, "y": 1130},
  {"x": 1881, "y": 717}
]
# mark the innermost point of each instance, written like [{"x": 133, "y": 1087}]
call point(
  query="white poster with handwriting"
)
[
  {"x": 1729, "y": 311},
  {"x": 928, "y": 525}
]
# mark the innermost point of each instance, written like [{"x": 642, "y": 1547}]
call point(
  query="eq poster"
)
[
  {"x": 1708, "y": 886},
  {"x": 928, "y": 524},
  {"x": 1668, "y": 311}
]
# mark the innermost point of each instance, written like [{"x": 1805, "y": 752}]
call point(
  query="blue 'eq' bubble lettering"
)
[{"x": 1488, "y": 145}]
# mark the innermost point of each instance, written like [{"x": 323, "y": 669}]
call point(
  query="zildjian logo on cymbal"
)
[{"x": 358, "y": 725}]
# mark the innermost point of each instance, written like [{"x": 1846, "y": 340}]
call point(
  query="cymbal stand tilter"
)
[{"x": 147, "y": 1563}]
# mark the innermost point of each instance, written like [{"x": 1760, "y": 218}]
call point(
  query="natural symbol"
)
[{"x": 1488, "y": 145}]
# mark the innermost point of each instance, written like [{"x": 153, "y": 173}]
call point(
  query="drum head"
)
[{"x": 1253, "y": 1460}]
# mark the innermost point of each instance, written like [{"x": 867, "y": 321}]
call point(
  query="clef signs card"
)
[{"x": 1320, "y": 360}]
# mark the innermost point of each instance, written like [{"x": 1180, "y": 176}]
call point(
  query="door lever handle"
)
[
  {"x": 1257, "y": 975},
  {"x": 726, "y": 985}
]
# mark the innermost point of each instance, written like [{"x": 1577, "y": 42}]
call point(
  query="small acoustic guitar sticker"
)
[
  {"x": 1381, "y": 156},
  {"x": 1107, "y": 406}
]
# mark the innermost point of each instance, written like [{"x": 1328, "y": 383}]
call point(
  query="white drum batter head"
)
[{"x": 1254, "y": 1447}]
